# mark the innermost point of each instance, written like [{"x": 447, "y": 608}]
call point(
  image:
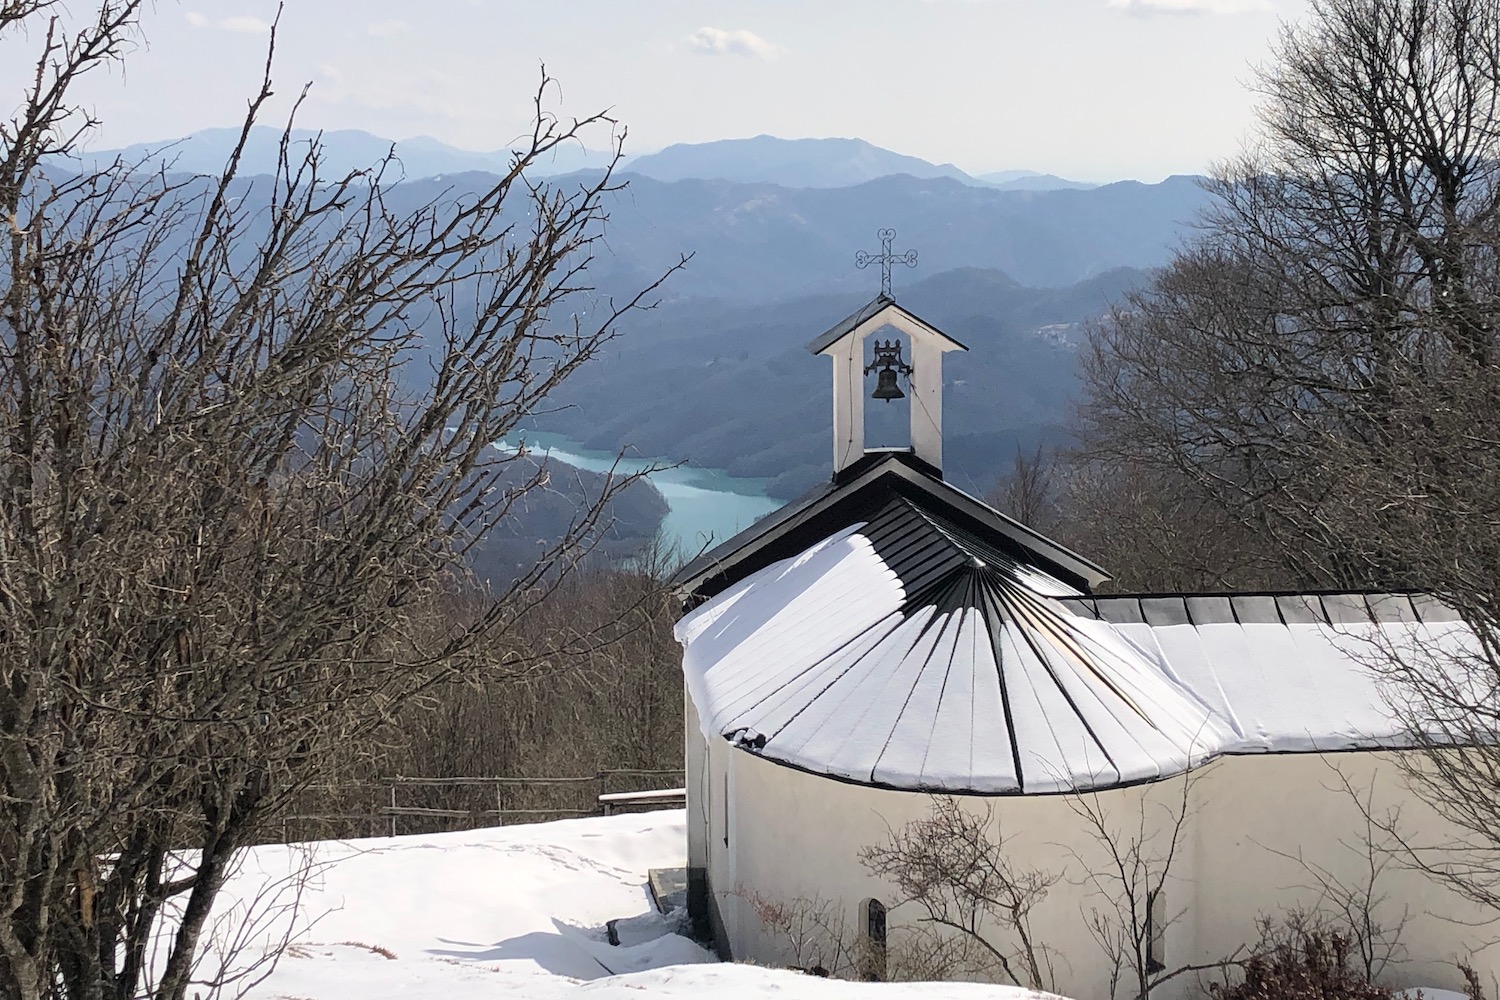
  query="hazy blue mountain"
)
[
  {"x": 819, "y": 163},
  {"x": 717, "y": 374},
  {"x": 632, "y": 519},
  {"x": 1030, "y": 180},
  {"x": 344, "y": 150},
  {"x": 761, "y": 242},
  {"x": 734, "y": 388},
  {"x": 794, "y": 163}
]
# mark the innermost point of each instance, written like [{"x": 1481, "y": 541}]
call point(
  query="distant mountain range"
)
[
  {"x": 1014, "y": 264},
  {"x": 1030, "y": 180},
  {"x": 816, "y": 163},
  {"x": 344, "y": 150},
  {"x": 764, "y": 159},
  {"x": 756, "y": 243}
]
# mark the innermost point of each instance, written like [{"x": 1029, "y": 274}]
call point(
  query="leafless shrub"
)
[
  {"x": 1473, "y": 988},
  {"x": 1360, "y": 910},
  {"x": 816, "y": 931},
  {"x": 922, "y": 953},
  {"x": 947, "y": 867},
  {"x": 1298, "y": 958}
]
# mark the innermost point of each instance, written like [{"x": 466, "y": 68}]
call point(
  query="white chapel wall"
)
[
  {"x": 1256, "y": 813},
  {"x": 796, "y": 835},
  {"x": 695, "y": 780}
]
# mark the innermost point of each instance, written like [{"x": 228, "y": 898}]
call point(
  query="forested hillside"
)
[
  {"x": 716, "y": 375},
  {"x": 734, "y": 388}
]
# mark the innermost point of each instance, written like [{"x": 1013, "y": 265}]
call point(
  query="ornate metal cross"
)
[{"x": 885, "y": 259}]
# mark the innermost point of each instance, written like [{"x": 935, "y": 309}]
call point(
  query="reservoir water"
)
[{"x": 706, "y": 505}]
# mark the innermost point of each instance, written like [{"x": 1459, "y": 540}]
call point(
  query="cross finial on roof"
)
[{"x": 885, "y": 259}]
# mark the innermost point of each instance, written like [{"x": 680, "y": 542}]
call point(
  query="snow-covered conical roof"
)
[
  {"x": 917, "y": 649},
  {"x": 909, "y": 652}
]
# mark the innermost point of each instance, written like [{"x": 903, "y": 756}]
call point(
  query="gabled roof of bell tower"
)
[{"x": 881, "y": 311}]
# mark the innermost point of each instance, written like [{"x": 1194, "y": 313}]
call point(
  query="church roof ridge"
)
[{"x": 854, "y": 498}]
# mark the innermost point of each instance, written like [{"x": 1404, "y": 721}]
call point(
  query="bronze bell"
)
[
  {"x": 888, "y": 362},
  {"x": 886, "y": 387}
]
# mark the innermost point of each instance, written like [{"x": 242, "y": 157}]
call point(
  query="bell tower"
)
[{"x": 845, "y": 344}]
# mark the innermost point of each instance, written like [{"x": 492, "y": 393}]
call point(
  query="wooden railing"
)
[
  {"x": 400, "y": 805},
  {"x": 659, "y": 798}
]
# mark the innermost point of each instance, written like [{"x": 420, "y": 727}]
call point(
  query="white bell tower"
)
[{"x": 845, "y": 343}]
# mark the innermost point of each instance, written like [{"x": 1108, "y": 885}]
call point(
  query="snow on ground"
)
[{"x": 515, "y": 911}]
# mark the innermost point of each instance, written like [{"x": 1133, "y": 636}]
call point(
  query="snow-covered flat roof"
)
[{"x": 907, "y": 652}]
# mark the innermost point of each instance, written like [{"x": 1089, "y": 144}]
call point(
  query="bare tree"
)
[
  {"x": 1154, "y": 529},
  {"x": 1360, "y": 910},
  {"x": 816, "y": 932},
  {"x": 1028, "y": 492},
  {"x": 248, "y": 433},
  {"x": 960, "y": 880},
  {"x": 1319, "y": 369},
  {"x": 1301, "y": 364},
  {"x": 1133, "y": 886}
]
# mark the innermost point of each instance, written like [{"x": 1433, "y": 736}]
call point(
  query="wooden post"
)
[
  {"x": 499, "y": 806},
  {"x": 393, "y": 809}
]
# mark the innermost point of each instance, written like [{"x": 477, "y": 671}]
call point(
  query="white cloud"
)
[
  {"x": 387, "y": 29},
  {"x": 1192, "y": 6},
  {"x": 243, "y": 25},
  {"x": 246, "y": 25},
  {"x": 719, "y": 42}
]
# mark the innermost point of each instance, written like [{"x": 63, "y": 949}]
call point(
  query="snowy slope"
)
[{"x": 509, "y": 912}]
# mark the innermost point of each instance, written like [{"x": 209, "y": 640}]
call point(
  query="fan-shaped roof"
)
[{"x": 910, "y": 651}]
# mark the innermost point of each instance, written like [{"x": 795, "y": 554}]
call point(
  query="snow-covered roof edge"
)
[{"x": 804, "y": 662}]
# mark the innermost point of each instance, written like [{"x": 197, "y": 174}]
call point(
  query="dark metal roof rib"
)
[
  {"x": 921, "y": 556},
  {"x": 958, "y": 598},
  {"x": 836, "y": 678},
  {"x": 994, "y": 620}
]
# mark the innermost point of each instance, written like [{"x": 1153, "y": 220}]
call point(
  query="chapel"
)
[{"x": 888, "y": 638}]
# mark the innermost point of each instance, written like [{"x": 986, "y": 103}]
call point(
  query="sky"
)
[{"x": 1094, "y": 90}]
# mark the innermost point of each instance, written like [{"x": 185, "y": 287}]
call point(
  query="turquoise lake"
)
[{"x": 706, "y": 505}]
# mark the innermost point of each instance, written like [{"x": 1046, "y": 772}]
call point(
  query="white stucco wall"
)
[
  {"x": 1256, "y": 813},
  {"x": 793, "y": 835},
  {"x": 695, "y": 776}
]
